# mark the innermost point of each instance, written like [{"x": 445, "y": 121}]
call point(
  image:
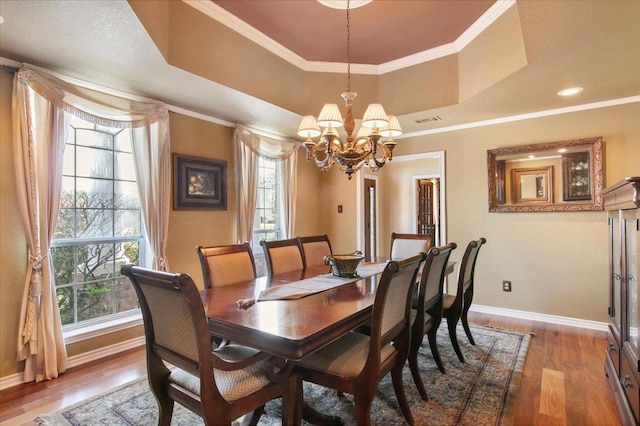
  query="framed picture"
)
[{"x": 199, "y": 183}]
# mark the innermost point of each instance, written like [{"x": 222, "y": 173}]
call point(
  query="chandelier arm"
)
[{"x": 324, "y": 163}]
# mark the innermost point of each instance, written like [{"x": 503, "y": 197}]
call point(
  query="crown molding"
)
[{"x": 520, "y": 117}]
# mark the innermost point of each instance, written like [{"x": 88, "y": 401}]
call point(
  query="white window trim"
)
[{"x": 91, "y": 331}]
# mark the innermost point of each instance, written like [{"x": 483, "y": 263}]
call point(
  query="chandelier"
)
[{"x": 350, "y": 153}]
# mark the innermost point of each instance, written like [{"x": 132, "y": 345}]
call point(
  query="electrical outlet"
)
[{"x": 506, "y": 285}]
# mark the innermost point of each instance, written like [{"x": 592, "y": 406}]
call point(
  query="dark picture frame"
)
[
  {"x": 199, "y": 183},
  {"x": 576, "y": 173}
]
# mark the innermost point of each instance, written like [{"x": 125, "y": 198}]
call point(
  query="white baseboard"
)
[
  {"x": 534, "y": 316},
  {"x": 76, "y": 360}
]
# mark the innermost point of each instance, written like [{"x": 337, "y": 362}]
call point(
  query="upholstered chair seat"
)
[
  {"x": 346, "y": 357},
  {"x": 234, "y": 384}
]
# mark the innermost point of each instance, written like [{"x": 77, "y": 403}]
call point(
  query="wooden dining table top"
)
[{"x": 291, "y": 329}]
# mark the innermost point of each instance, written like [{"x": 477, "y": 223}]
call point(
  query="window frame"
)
[
  {"x": 114, "y": 321},
  {"x": 277, "y": 196}
]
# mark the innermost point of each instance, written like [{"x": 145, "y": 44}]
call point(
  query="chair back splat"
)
[
  {"x": 219, "y": 385},
  {"x": 314, "y": 249},
  {"x": 355, "y": 363},
  {"x": 283, "y": 255},
  {"x": 427, "y": 310},
  {"x": 226, "y": 264},
  {"x": 456, "y": 307},
  {"x": 406, "y": 245}
]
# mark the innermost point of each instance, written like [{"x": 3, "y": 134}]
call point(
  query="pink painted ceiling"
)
[{"x": 381, "y": 31}]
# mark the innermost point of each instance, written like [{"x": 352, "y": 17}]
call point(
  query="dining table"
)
[{"x": 293, "y": 314}]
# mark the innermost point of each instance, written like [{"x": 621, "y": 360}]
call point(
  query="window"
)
[
  {"x": 266, "y": 223},
  {"x": 99, "y": 226}
]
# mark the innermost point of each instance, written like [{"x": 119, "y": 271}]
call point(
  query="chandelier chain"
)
[{"x": 348, "y": 49}]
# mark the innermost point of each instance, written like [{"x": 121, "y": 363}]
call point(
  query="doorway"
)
[
  {"x": 373, "y": 187},
  {"x": 427, "y": 208},
  {"x": 370, "y": 219}
]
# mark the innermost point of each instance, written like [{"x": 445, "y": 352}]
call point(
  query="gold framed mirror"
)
[
  {"x": 521, "y": 178},
  {"x": 532, "y": 185}
]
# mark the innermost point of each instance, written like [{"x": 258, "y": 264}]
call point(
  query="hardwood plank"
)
[
  {"x": 552, "y": 401},
  {"x": 553, "y": 347}
]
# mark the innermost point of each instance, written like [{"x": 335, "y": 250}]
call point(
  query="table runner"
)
[{"x": 309, "y": 286}]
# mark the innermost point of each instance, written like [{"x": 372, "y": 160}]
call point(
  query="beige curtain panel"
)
[
  {"x": 249, "y": 147},
  {"x": 40, "y": 106}
]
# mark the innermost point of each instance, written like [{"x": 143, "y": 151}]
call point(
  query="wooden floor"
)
[{"x": 563, "y": 381}]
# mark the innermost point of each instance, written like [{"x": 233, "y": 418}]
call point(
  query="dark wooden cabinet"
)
[{"x": 622, "y": 362}]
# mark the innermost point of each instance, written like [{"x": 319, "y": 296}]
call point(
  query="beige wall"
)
[
  {"x": 556, "y": 261},
  {"x": 12, "y": 238},
  {"x": 188, "y": 228}
]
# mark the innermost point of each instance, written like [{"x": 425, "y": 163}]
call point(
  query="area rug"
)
[{"x": 481, "y": 391}]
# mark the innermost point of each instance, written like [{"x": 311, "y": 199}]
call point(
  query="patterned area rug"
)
[{"x": 481, "y": 391}]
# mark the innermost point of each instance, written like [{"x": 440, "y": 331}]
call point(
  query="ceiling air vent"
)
[{"x": 429, "y": 119}]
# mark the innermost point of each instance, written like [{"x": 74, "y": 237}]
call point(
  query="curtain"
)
[
  {"x": 152, "y": 157},
  {"x": 39, "y": 137},
  {"x": 40, "y": 104},
  {"x": 249, "y": 147}
]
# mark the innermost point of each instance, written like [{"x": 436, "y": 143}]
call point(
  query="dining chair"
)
[
  {"x": 406, "y": 245},
  {"x": 226, "y": 264},
  {"x": 355, "y": 363},
  {"x": 456, "y": 307},
  {"x": 283, "y": 255},
  {"x": 426, "y": 312},
  {"x": 219, "y": 385},
  {"x": 314, "y": 249}
]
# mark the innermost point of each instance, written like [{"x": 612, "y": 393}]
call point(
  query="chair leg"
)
[
  {"x": 465, "y": 325},
  {"x": 165, "y": 414},
  {"x": 454, "y": 338},
  {"x": 415, "y": 371},
  {"x": 433, "y": 344},
  {"x": 398, "y": 386},
  {"x": 363, "y": 409},
  {"x": 252, "y": 418}
]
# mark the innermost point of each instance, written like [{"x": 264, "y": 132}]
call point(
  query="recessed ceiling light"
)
[
  {"x": 561, "y": 150},
  {"x": 570, "y": 91}
]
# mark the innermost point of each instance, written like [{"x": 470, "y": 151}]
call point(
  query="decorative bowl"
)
[{"x": 344, "y": 265}]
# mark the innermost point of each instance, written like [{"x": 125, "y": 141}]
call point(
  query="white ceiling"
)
[{"x": 591, "y": 43}]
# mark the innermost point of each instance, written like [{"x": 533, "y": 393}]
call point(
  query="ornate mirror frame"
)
[
  {"x": 543, "y": 186},
  {"x": 593, "y": 162}
]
